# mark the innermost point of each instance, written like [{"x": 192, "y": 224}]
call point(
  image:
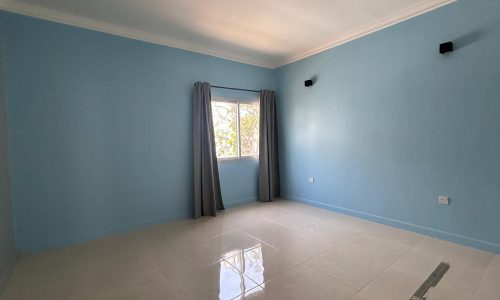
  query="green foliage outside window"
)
[
  {"x": 249, "y": 128},
  {"x": 225, "y": 116}
]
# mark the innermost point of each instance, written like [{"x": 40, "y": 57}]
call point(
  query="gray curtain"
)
[
  {"x": 269, "y": 177},
  {"x": 207, "y": 194}
]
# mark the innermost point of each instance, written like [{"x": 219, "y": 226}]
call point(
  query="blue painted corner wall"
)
[
  {"x": 390, "y": 124},
  {"x": 8, "y": 253},
  {"x": 100, "y": 131}
]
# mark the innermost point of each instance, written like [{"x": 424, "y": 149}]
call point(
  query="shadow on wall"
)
[{"x": 469, "y": 38}]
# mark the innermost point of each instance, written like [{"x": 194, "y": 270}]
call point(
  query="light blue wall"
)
[
  {"x": 391, "y": 124},
  {"x": 7, "y": 245},
  {"x": 238, "y": 184},
  {"x": 101, "y": 131}
]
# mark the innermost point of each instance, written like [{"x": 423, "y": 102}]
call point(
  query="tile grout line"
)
[
  {"x": 242, "y": 275},
  {"x": 380, "y": 273},
  {"x": 328, "y": 275},
  {"x": 331, "y": 276},
  {"x": 482, "y": 277},
  {"x": 274, "y": 278},
  {"x": 262, "y": 241},
  {"x": 300, "y": 261},
  {"x": 259, "y": 285},
  {"x": 155, "y": 259}
]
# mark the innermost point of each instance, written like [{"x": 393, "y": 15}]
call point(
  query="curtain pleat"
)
[
  {"x": 207, "y": 192},
  {"x": 269, "y": 178}
]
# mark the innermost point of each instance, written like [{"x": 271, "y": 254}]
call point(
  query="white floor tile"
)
[
  {"x": 358, "y": 263},
  {"x": 296, "y": 221},
  {"x": 278, "y": 250},
  {"x": 393, "y": 284},
  {"x": 218, "y": 281},
  {"x": 262, "y": 263},
  {"x": 302, "y": 282},
  {"x": 489, "y": 288}
]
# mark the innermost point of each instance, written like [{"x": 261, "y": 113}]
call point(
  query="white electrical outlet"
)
[
  {"x": 311, "y": 180},
  {"x": 443, "y": 200}
]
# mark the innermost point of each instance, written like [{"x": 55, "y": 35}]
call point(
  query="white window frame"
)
[{"x": 238, "y": 141}]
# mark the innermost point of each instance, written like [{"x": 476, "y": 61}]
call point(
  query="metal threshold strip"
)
[{"x": 431, "y": 281}]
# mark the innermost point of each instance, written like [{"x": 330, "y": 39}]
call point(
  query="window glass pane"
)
[
  {"x": 225, "y": 125},
  {"x": 249, "y": 128}
]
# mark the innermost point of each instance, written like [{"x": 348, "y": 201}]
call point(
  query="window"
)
[{"x": 236, "y": 128}]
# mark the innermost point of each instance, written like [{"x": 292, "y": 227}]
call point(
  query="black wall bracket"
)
[{"x": 446, "y": 47}]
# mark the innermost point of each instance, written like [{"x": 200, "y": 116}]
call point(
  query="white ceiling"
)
[{"x": 267, "y": 33}]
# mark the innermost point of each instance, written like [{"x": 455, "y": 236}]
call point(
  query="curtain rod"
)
[{"x": 234, "y": 89}]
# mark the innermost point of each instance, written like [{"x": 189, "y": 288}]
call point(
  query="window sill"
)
[{"x": 235, "y": 159}]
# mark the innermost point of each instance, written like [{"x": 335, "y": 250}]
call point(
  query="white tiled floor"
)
[{"x": 278, "y": 250}]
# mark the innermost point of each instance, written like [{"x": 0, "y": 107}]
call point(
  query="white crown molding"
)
[
  {"x": 393, "y": 19},
  {"x": 88, "y": 23}
]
